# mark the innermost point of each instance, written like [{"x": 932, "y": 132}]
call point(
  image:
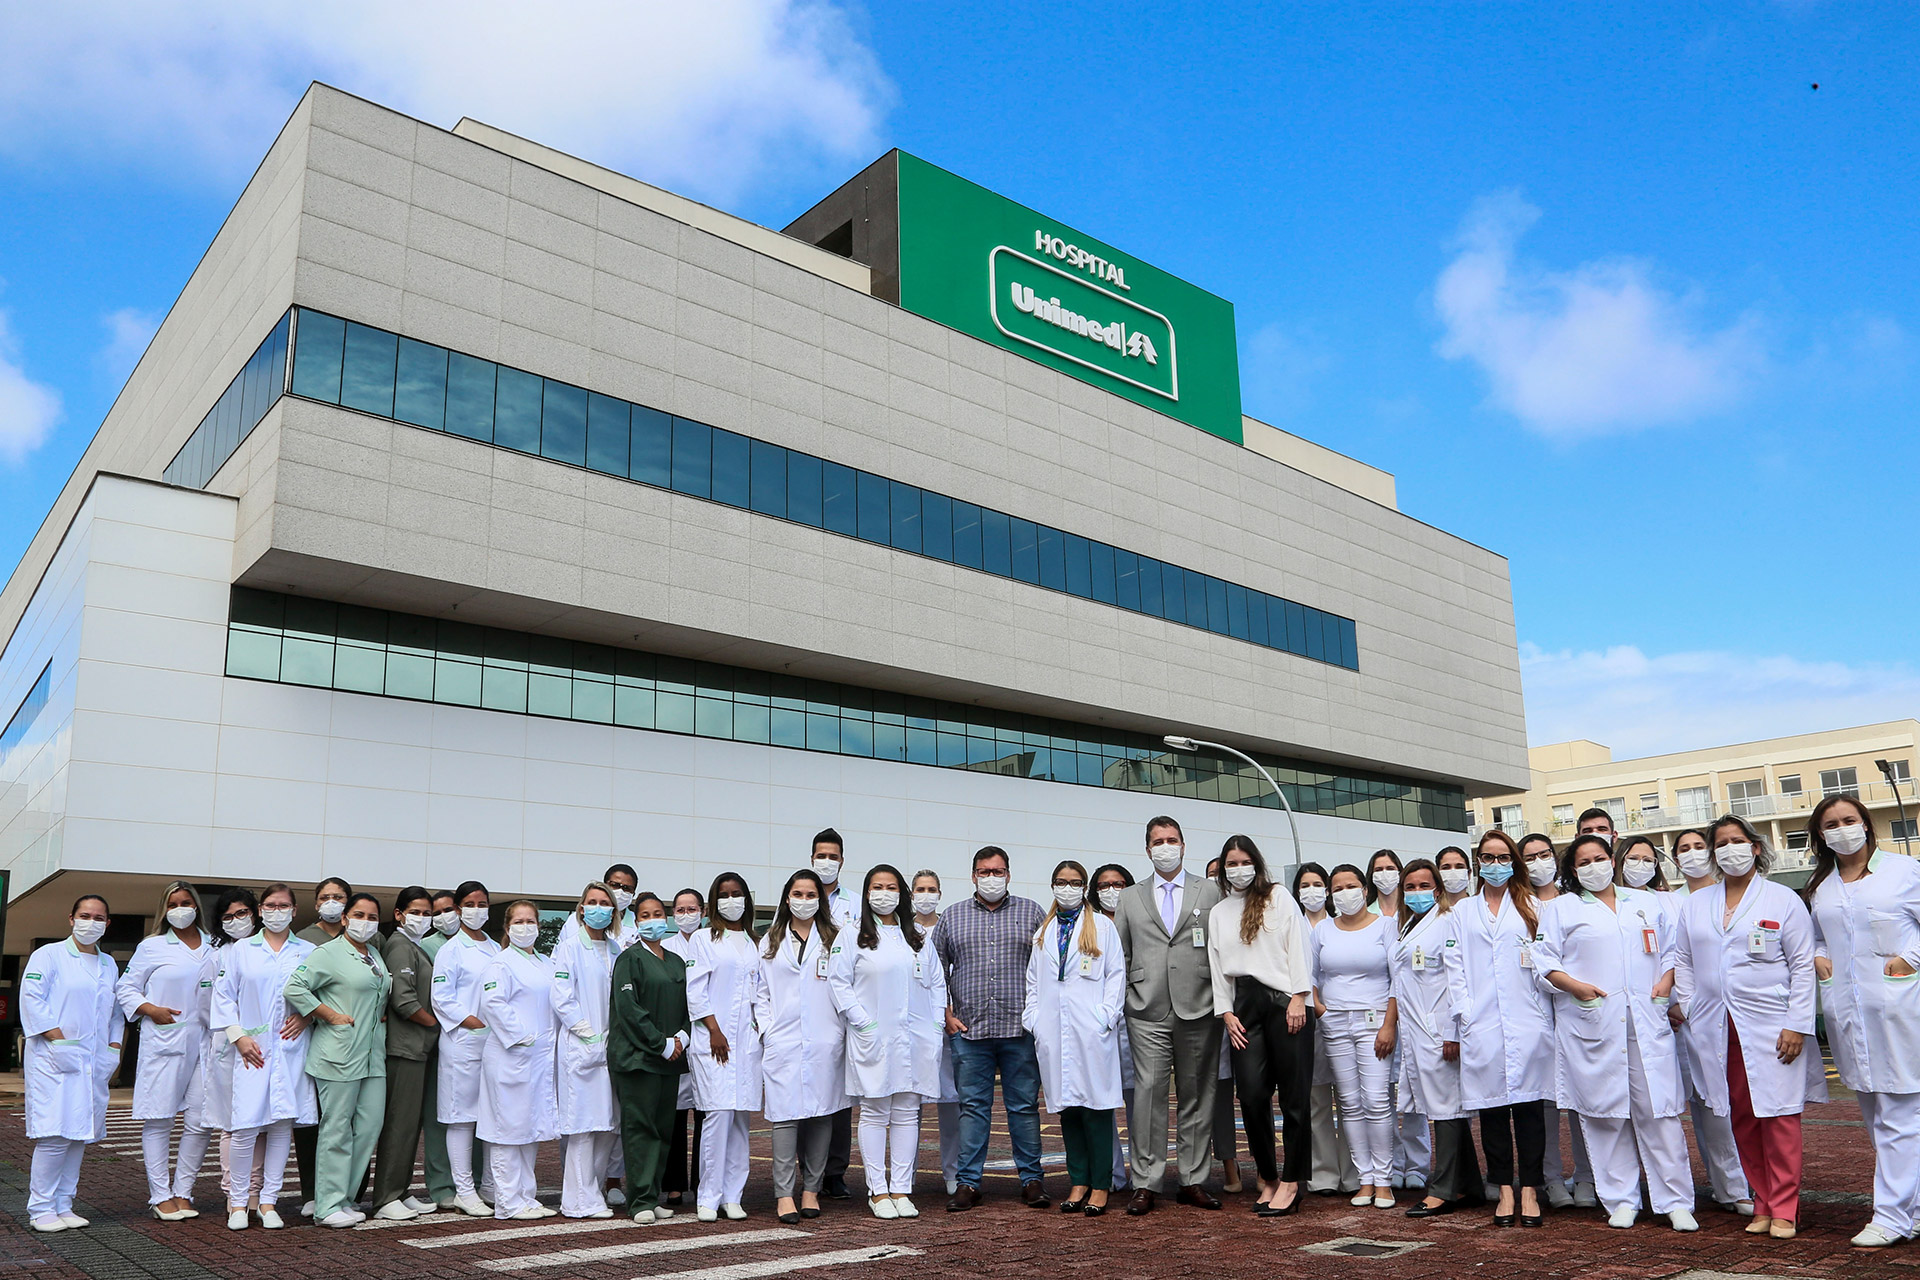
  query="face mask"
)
[
  {"x": 1846, "y": 840},
  {"x": 990, "y": 888},
  {"x": 802, "y": 908},
  {"x": 88, "y": 932},
  {"x": 925, "y": 904},
  {"x": 1496, "y": 873},
  {"x": 239, "y": 927},
  {"x": 1386, "y": 881},
  {"x": 686, "y": 921},
  {"x": 417, "y": 927},
  {"x": 474, "y": 917},
  {"x": 524, "y": 934},
  {"x": 332, "y": 910},
  {"x": 362, "y": 930},
  {"x": 597, "y": 916},
  {"x": 1313, "y": 898},
  {"x": 1110, "y": 899},
  {"x": 1603, "y": 835},
  {"x": 1639, "y": 872},
  {"x": 277, "y": 919},
  {"x": 1734, "y": 859},
  {"x": 1540, "y": 871},
  {"x": 1419, "y": 901},
  {"x": 181, "y": 917},
  {"x": 658, "y": 929},
  {"x": 1349, "y": 901},
  {"x": 1068, "y": 897},
  {"x": 731, "y": 909},
  {"x": 1239, "y": 877},
  {"x": 447, "y": 922},
  {"x": 1595, "y": 876},
  {"x": 828, "y": 869},
  {"x": 1167, "y": 858},
  {"x": 622, "y": 899},
  {"x": 1455, "y": 879},
  {"x": 1697, "y": 863},
  {"x": 883, "y": 901}
]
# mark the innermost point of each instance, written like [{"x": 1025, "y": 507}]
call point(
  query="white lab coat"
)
[
  {"x": 720, "y": 983},
  {"x": 66, "y": 1079},
  {"x": 894, "y": 1002},
  {"x": 516, "y": 1104},
  {"x": 1429, "y": 1084},
  {"x": 1873, "y": 1021},
  {"x": 1074, "y": 1008},
  {"x": 1506, "y": 1030},
  {"x": 167, "y": 972},
  {"x": 1759, "y": 972},
  {"x": 1623, "y": 952},
  {"x": 683, "y": 1100},
  {"x": 457, "y": 970},
  {"x": 250, "y": 992},
  {"x": 843, "y": 904},
  {"x": 803, "y": 1062},
  {"x": 582, "y": 988}
]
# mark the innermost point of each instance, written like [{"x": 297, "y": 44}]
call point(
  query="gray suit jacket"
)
[{"x": 1167, "y": 976}]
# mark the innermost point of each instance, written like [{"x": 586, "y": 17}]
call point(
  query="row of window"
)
[
  {"x": 296, "y": 640},
  {"x": 27, "y": 712},
  {"x": 235, "y": 414},
  {"x": 373, "y": 371}
]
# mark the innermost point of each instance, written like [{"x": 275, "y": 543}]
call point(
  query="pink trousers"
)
[{"x": 1769, "y": 1146}]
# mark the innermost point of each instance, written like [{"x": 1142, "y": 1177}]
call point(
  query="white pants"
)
[
  {"x": 1332, "y": 1163},
  {"x": 55, "y": 1177},
  {"x": 583, "y": 1188},
  {"x": 252, "y": 1195},
  {"x": 889, "y": 1127},
  {"x": 1621, "y": 1148},
  {"x": 1360, "y": 1079},
  {"x": 1893, "y": 1122},
  {"x": 1717, "y": 1152},
  {"x": 156, "y": 1143},
  {"x": 723, "y": 1158},
  {"x": 279, "y": 1138},
  {"x": 460, "y": 1158},
  {"x": 1550, "y": 1163},
  {"x": 950, "y": 1145},
  {"x": 513, "y": 1185}
]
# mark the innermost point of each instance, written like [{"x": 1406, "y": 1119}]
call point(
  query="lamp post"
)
[
  {"x": 1886, "y": 771},
  {"x": 1179, "y": 743}
]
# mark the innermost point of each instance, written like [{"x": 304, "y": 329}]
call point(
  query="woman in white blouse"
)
[
  {"x": 804, "y": 1058},
  {"x": 722, "y": 960},
  {"x": 1333, "y": 1172},
  {"x": 1349, "y": 953}
]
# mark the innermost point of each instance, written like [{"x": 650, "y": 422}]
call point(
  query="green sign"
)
[{"x": 1020, "y": 280}]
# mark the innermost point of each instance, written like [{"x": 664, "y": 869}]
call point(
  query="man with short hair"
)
[
  {"x": 843, "y": 908},
  {"x": 1176, "y": 1038},
  {"x": 1597, "y": 822},
  {"x": 985, "y": 943}
]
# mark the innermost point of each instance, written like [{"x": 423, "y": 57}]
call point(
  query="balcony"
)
[
  {"x": 1788, "y": 805},
  {"x": 1518, "y": 830}
]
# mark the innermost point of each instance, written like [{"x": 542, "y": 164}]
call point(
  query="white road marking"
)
[
  {"x": 603, "y": 1253},
  {"x": 780, "y": 1266},
  {"x": 550, "y": 1228}
]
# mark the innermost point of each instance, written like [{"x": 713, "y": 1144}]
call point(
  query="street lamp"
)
[
  {"x": 1906, "y": 840},
  {"x": 1179, "y": 743}
]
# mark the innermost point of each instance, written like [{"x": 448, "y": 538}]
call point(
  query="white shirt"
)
[
  {"x": 1351, "y": 966},
  {"x": 1276, "y": 958}
]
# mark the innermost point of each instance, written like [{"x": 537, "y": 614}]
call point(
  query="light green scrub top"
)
[{"x": 340, "y": 977}]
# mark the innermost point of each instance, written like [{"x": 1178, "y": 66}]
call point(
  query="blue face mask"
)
[
  {"x": 1496, "y": 873},
  {"x": 597, "y": 916},
  {"x": 1419, "y": 901},
  {"x": 658, "y": 929}
]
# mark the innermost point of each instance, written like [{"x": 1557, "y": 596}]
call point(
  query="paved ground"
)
[{"x": 1000, "y": 1239}]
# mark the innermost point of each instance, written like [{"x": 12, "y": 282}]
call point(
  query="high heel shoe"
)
[
  {"x": 1530, "y": 1220},
  {"x": 1093, "y": 1210},
  {"x": 1073, "y": 1206},
  {"x": 1279, "y": 1210}
]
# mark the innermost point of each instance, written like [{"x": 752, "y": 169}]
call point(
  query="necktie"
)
[{"x": 1169, "y": 904}]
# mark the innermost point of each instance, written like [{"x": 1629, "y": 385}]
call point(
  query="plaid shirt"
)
[{"x": 985, "y": 951}]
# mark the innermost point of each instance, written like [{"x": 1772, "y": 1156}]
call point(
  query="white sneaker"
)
[
  {"x": 734, "y": 1211},
  {"x": 237, "y": 1220},
  {"x": 1584, "y": 1197},
  {"x": 616, "y": 1197},
  {"x": 419, "y": 1206},
  {"x": 662, "y": 1212},
  {"x": 358, "y": 1217},
  {"x": 883, "y": 1207},
  {"x": 339, "y": 1218},
  {"x": 904, "y": 1208},
  {"x": 529, "y": 1214},
  {"x": 1682, "y": 1220},
  {"x": 74, "y": 1221},
  {"x": 270, "y": 1218},
  {"x": 395, "y": 1211},
  {"x": 49, "y": 1225},
  {"x": 707, "y": 1215},
  {"x": 306, "y": 1210},
  {"x": 1875, "y": 1236},
  {"x": 472, "y": 1206},
  {"x": 1623, "y": 1217},
  {"x": 644, "y": 1217}
]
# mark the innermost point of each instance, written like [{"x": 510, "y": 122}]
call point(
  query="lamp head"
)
[
  {"x": 1179, "y": 743},
  {"x": 1884, "y": 768}
]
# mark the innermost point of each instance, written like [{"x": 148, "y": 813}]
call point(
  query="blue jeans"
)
[{"x": 974, "y": 1065}]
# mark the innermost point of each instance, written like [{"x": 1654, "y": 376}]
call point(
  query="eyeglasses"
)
[{"x": 1491, "y": 858}]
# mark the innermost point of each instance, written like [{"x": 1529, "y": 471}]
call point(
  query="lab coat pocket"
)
[
  {"x": 170, "y": 1041},
  {"x": 584, "y": 1057},
  {"x": 65, "y": 1058},
  {"x": 1885, "y": 928},
  {"x": 1586, "y": 1019},
  {"x": 516, "y": 1064}
]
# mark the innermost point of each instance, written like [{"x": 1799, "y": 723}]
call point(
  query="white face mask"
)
[
  {"x": 1540, "y": 871},
  {"x": 1638, "y": 872},
  {"x": 828, "y": 869},
  {"x": 524, "y": 934},
  {"x": 1455, "y": 879},
  {"x": 1313, "y": 897},
  {"x": 474, "y": 917},
  {"x": 417, "y": 927},
  {"x": 181, "y": 917},
  {"x": 1697, "y": 863},
  {"x": 1240, "y": 876},
  {"x": 1166, "y": 858},
  {"x": 686, "y": 921},
  {"x": 622, "y": 899},
  {"x": 883, "y": 901},
  {"x": 1349, "y": 902},
  {"x": 1595, "y": 876},
  {"x": 332, "y": 910},
  {"x": 1386, "y": 880},
  {"x": 731, "y": 908},
  {"x": 802, "y": 908},
  {"x": 990, "y": 888},
  {"x": 362, "y": 930},
  {"x": 277, "y": 919},
  {"x": 925, "y": 904},
  {"x": 88, "y": 932},
  {"x": 1734, "y": 859},
  {"x": 1110, "y": 898},
  {"x": 447, "y": 922},
  {"x": 1068, "y": 897},
  {"x": 1845, "y": 841},
  {"x": 239, "y": 927}
]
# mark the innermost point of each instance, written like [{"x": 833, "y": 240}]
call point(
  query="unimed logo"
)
[{"x": 1078, "y": 319}]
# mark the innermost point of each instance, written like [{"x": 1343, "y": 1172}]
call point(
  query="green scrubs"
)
[
  {"x": 348, "y": 1064},
  {"x": 649, "y": 1008}
]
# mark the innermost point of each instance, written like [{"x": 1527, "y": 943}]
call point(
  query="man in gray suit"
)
[{"x": 1176, "y": 1038}]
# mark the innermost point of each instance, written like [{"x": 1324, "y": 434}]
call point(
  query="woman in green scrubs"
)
[
  {"x": 647, "y": 1051},
  {"x": 343, "y": 987}
]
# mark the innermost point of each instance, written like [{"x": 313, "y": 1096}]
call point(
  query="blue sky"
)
[{"x": 1612, "y": 290}]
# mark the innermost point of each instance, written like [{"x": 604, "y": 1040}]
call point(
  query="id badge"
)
[
  {"x": 1647, "y": 939},
  {"x": 1086, "y": 966},
  {"x": 916, "y": 968},
  {"x": 1373, "y": 1018},
  {"x": 1199, "y": 936},
  {"x": 1419, "y": 958},
  {"x": 1756, "y": 943},
  {"x": 820, "y": 966},
  {"x": 1526, "y": 954}
]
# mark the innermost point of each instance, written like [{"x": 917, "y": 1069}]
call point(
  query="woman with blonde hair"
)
[
  {"x": 517, "y": 1099},
  {"x": 162, "y": 992},
  {"x": 589, "y": 1122}
]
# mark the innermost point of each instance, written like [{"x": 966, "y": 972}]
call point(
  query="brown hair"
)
[
  {"x": 1824, "y": 861},
  {"x": 1253, "y": 912},
  {"x": 1518, "y": 888}
]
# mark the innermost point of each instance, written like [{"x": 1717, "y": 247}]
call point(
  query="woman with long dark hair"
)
[
  {"x": 1726, "y": 1180},
  {"x": 1351, "y": 977},
  {"x": 1424, "y": 1026},
  {"x": 457, "y": 970},
  {"x": 804, "y": 1056},
  {"x": 161, "y": 993},
  {"x": 1333, "y": 1172},
  {"x": 721, "y": 960},
  {"x": 235, "y": 918},
  {"x": 687, "y": 912},
  {"x": 517, "y": 1094}
]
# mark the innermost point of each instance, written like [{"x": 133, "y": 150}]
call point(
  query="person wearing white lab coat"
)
[
  {"x": 1866, "y": 948},
  {"x": 1744, "y": 992},
  {"x": 1420, "y": 1010},
  {"x": 926, "y": 914},
  {"x": 1506, "y": 1030},
  {"x": 1540, "y": 865},
  {"x": 1350, "y": 956},
  {"x": 161, "y": 991},
  {"x": 842, "y": 905},
  {"x": 265, "y": 1042},
  {"x": 1726, "y": 1180},
  {"x": 516, "y": 1104},
  {"x": 622, "y": 881},
  {"x": 803, "y": 1045},
  {"x": 1607, "y": 951},
  {"x": 457, "y": 970},
  {"x": 73, "y": 1026},
  {"x": 721, "y": 960},
  {"x": 588, "y": 1119},
  {"x": 891, "y": 991}
]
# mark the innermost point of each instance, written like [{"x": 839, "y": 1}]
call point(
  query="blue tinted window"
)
[
  {"x": 1296, "y": 628},
  {"x": 1079, "y": 567},
  {"x": 936, "y": 525},
  {"x": 516, "y": 410},
  {"x": 729, "y": 468},
  {"x": 803, "y": 489},
  {"x": 469, "y": 396},
  {"x": 692, "y": 457},
  {"x": 836, "y": 499},
  {"x": 563, "y": 424},
  {"x": 366, "y": 379},
  {"x": 996, "y": 542},
  {"x": 607, "y": 434},
  {"x": 316, "y": 362},
  {"x": 1349, "y": 644},
  {"x": 1151, "y": 599},
  {"x": 652, "y": 448},
  {"x": 1173, "y": 594},
  {"x": 906, "y": 517},
  {"x": 1316, "y": 634},
  {"x": 1236, "y": 611},
  {"x": 1026, "y": 550},
  {"x": 767, "y": 491},
  {"x": 875, "y": 524},
  {"x": 1126, "y": 580},
  {"x": 1277, "y": 622},
  {"x": 1330, "y": 637},
  {"x": 1257, "y": 617},
  {"x": 966, "y": 535},
  {"x": 1053, "y": 562},
  {"x": 1213, "y": 599},
  {"x": 420, "y": 388}
]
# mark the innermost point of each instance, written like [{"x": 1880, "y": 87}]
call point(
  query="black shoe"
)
[
  {"x": 836, "y": 1189},
  {"x": 963, "y": 1199},
  {"x": 790, "y": 1217},
  {"x": 1502, "y": 1219},
  {"x": 809, "y": 1213},
  {"x": 1034, "y": 1195},
  {"x": 1094, "y": 1210},
  {"x": 1424, "y": 1210},
  {"x": 1142, "y": 1203},
  {"x": 1072, "y": 1206},
  {"x": 1278, "y": 1210},
  {"x": 1530, "y": 1220}
]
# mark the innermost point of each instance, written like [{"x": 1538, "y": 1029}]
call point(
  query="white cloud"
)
[
  {"x": 1641, "y": 705},
  {"x": 1601, "y": 347},
  {"x": 699, "y": 96},
  {"x": 28, "y": 409},
  {"x": 129, "y": 330}
]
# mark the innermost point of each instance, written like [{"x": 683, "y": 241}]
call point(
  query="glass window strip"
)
[{"x": 237, "y": 411}]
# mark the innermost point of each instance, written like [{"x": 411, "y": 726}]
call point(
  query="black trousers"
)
[
  {"x": 840, "y": 1146},
  {"x": 1456, "y": 1169},
  {"x": 1275, "y": 1060},
  {"x": 682, "y": 1173},
  {"x": 1522, "y": 1126}
]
